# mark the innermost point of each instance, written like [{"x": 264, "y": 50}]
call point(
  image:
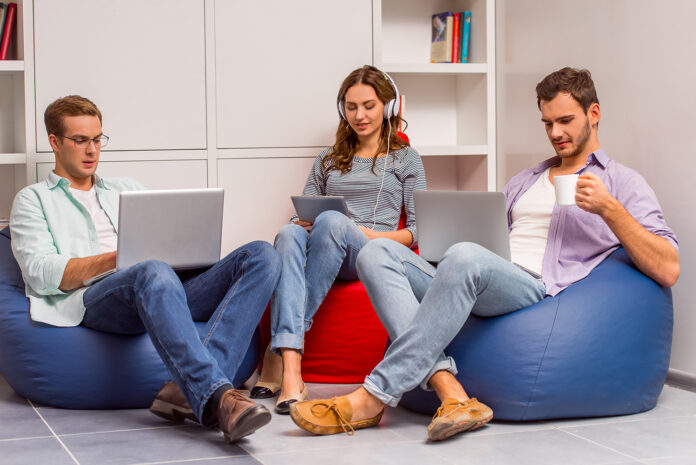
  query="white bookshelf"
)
[
  {"x": 450, "y": 107},
  {"x": 9, "y": 66},
  {"x": 16, "y": 75}
]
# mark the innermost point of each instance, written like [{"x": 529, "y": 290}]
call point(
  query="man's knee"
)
[
  {"x": 374, "y": 252},
  {"x": 265, "y": 256},
  {"x": 465, "y": 253},
  {"x": 153, "y": 272}
]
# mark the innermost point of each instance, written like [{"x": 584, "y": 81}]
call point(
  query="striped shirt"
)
[{"x": 360, "y": 186}]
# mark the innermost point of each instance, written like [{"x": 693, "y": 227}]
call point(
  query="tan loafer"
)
[
  {"x": 455, "y": 417},
  {"x": 329, "y": 416}
]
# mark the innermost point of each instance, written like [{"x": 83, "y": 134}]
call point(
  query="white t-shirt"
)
[
  {"x": 531, "y": 217},
  {"x": 105, "y": 230}
]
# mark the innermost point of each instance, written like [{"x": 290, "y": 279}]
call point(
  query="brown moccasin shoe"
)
[
  {"x": 239, "y": 416},
  {"x": 329, "y": 416},
  {"x": 455, "y": 417},
  {"x": 171, "y": 404}
]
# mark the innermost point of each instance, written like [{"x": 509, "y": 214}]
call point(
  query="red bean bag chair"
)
[{"x": 346, "y": 339}]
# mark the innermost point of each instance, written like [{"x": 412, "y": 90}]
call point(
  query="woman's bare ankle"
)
[{"x": 292, "y": 384}]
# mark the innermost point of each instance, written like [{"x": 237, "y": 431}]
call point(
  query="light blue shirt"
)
[{"x": 49, "y": 227}]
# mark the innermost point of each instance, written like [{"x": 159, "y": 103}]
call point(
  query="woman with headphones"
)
[{"x": 376, "y": 171}]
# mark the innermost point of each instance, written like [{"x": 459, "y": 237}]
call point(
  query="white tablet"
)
[{"x": 308, "y": 207}]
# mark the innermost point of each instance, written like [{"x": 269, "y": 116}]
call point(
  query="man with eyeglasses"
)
[{"x": 64, "y": 231}]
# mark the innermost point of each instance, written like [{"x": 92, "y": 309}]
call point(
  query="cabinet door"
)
[
  {"x": 257, "y": 196},
  {"x": 142, "y": 63},
  {"x": 167, "y": 174},
  {"x": 279, "y": 65}
]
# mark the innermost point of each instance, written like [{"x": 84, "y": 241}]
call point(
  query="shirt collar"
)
[
  {"x": 54, "y": 180},
  {"x": 598, "y": 157}
]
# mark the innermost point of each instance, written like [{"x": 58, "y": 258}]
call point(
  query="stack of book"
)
[
  {"x": 8, "y": 16},
  {"x": 450, "y": 37}
]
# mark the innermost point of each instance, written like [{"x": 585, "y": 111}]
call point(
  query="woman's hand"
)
[
  {"x": 371, "y": 234},
  {"x": 304, "y": 224},
  {"x": 402, "y": 236}
]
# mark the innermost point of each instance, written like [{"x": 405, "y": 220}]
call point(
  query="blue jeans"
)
[
  {"x": 423, "y": 308},
  {"x": 311, "y": 263},
  {"x": 230, "y": 296}
]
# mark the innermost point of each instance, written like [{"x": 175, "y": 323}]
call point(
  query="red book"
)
[
  {"x": 455, "y": 38},
  {"x": 7, "y": 32}
]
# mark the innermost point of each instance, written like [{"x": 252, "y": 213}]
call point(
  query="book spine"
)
[
  {"x": 3, "y": 13},
  {"x": 440, "y": 49},
  {"x": 450, "y": 26},
  {"x": 455, "y": 38},
  {"x": 7, "y": 32},
  {"x": 466, "y": 30}
]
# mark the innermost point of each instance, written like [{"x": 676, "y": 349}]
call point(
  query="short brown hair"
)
[
  {"x": 72, "y": 105},
  {"x": 575, "y": 82}
]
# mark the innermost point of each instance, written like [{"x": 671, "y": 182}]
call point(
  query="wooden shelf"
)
[
  {"x": 436, "y": 68},
  {"x": 16, "y": 66},
  {"x": 13, "y": 158}
]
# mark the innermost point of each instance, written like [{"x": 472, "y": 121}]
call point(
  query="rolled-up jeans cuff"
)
[
  {"x": 379, "y": 394},
  {"x": 447, "y": 364},
  {"x": 287, "y": 341}
]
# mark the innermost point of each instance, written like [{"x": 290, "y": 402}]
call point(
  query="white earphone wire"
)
[{"x": 384, "y": 172}]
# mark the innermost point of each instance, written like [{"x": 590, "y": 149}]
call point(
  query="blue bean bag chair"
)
[
  {"x": 601, "y": 347},
  {"x": 77, "y": 367}
]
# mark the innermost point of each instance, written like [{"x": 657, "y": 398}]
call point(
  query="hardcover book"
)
[
  {"x": 7, "y": 31},
  {"x": 3, "y": 13},
  {"x": 441, "y": 42},
  {"x": 456, "y": 34},
  {"x": 464, "y": 39}
]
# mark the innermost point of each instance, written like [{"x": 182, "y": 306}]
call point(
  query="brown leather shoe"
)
[
  {"x": 455, "y": 417},
  {"x": 239, "y": 416},
  {"x": 329, "y": 416},
  {"x": 171, "y": 404}
]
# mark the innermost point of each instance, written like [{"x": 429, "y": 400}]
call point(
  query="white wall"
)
[{"x": 641, "y": 57}]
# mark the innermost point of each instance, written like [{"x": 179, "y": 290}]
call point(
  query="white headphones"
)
[{"x": 391, "y": 108}]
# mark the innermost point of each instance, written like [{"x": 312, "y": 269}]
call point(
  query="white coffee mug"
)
[{"x": 565, "y": 189}]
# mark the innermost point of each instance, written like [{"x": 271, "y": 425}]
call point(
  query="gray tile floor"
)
[{"x": 32, "y": 434}]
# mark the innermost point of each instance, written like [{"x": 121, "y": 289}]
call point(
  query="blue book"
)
[{"x": 464, "y": 37}]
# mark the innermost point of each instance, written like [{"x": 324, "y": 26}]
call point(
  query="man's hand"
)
[
  {"x": 592, "y": 195},
  {"x": 79, "y": 270},
  {"x": 652, "y": 254}
]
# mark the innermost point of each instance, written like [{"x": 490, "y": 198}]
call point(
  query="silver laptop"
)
[
  {"x": 181, "y": 227},
  {"x": 444, "y": 218}
]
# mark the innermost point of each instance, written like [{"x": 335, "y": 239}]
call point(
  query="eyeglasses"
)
[{"x": 81, "y": 142}]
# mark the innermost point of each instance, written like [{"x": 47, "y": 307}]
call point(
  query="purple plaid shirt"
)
[{"x": 578, "y": 240}]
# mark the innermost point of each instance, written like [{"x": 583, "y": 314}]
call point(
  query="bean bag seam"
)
[{"x": 541, "y": 362}]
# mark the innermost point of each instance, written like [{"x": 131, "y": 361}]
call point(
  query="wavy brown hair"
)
[{"x": 342, "y": 153}]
